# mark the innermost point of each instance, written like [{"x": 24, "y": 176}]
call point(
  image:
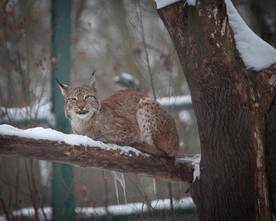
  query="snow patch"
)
[
  {"x": 164, "y": 3},
  {"x": 39, "y": 111},
  {"x": 40, "y": 133},
  {"x": 255, "y": 53},
  {"x": 195, "y": 161},
  {"x": 113, "y": 210}
]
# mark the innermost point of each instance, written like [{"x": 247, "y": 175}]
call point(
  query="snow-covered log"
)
[{"x": 51, "y": 145}]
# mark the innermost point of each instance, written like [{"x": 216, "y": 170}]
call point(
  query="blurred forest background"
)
[{"x": 113, "y": 37}]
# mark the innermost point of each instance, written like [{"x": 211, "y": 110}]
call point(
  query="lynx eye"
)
[
  {"x": 73, "y": 99},
  {"x": 86, "y": 97}
]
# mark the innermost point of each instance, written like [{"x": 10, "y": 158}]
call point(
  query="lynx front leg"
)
[{"x": 121, "y": 132}]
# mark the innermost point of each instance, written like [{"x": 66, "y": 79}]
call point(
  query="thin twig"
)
[
  {"x": 171, "y": 201},
  {"x": 146, "y": 52},
  {"x": 8, "y": 215},
  {"x": 31, "y": 190}
]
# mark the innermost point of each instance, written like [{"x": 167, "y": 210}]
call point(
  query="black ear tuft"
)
[
  {"x": 60, "y": 84},
  {"x": 63, "y": 87},
  {"x": 92, "y": 75},
  {"x": 92, "y": 80},
  {"x": 93, "y": 72}
]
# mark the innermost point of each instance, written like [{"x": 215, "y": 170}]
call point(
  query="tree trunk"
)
[{"x": 235, "y": 110}]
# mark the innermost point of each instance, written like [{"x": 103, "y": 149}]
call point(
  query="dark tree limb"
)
[{"x": 157, "y": 167}]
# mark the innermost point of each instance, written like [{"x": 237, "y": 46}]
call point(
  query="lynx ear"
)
[
  {"x": 92, "y": 80},
  {"x": 63, "y": 88}
]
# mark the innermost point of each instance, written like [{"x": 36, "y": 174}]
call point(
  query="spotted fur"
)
[{"x": 125, "y": 118}]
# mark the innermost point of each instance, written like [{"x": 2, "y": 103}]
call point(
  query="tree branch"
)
[{"x": 158, "y": 167}]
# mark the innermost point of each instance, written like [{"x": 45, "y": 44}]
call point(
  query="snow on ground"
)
[
  {"x": 39, "y": 110},
  {"x": 195, "y": 161},
  {"x": 114, "y": 210},
  {"x": 40, "y": 133},
  {"x": 255, "y": 53}
]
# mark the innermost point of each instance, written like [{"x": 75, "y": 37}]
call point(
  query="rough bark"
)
[
  {"x": 158, "y": 167},
  {"x": 235, "y": 110}
]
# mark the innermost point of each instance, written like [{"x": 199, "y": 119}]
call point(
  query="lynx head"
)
[{"x": 80, "y": 102}]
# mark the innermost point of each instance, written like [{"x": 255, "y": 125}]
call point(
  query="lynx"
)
[{"x": 126, "y": 118}]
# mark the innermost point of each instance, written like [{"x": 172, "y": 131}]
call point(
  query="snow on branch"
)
[
  {"x": 51, "y": 145},
  {"x": 40, "y": 133},
  {"x": 255, "y": 53},
  {"x": 164, "y": 3}
]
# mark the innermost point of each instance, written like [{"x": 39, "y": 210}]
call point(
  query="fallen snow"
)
[
  {"x": 39, "y": 111},
  {"x": 195, "y": 161},
  {"x": 40, "y": 133},
  {"x": 255, "y": 53},
  {"x": 114, "y": 210}
]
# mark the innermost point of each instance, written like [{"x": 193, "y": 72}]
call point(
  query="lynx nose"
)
[
  {"x": 81, "y": 109},
  {"x": 81, "y": 106}
]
